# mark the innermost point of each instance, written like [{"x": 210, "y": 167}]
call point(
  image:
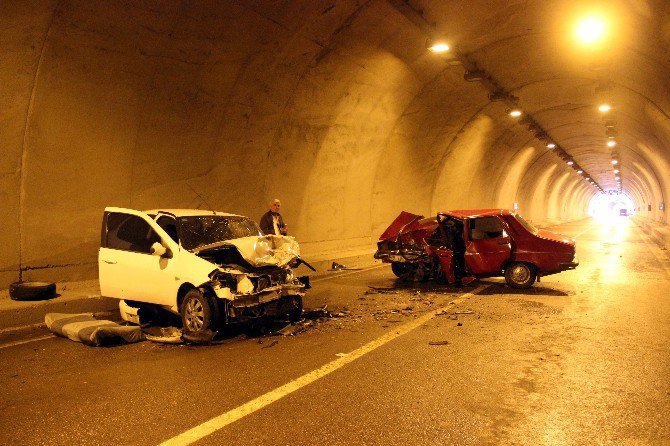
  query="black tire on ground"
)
[
  {"x": 520, "y": 275},
  {"x": 400, "y": 269},
  {"x": 32, "y": 290},
  {"x": 197, "y": 314},
  {"x": 296, "y": 314}
]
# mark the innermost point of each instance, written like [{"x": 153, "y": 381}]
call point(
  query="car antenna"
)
[{"x": 201, "y": 197}]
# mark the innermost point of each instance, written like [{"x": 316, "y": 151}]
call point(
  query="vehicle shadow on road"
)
[{"x": 501, "y": 288}]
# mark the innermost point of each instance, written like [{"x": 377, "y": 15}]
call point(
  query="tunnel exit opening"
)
[{"x": 610, "y": 205}]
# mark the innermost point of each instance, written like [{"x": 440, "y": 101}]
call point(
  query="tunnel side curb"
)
[
  {"x": 71, "y": 297},
  {"x": 658, "y": 232}
]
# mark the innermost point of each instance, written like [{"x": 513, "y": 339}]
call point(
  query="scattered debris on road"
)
[
  {"x": 339, "y": 267},
  {"x": 438, "y": 342},
  {"x": 164, "y": 335}
]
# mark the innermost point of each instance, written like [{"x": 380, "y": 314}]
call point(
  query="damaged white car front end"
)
[{"x": 255, "y": 276}]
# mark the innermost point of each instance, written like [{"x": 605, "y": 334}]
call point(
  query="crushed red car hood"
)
[
  {"x": 401, "y": 220},
  {"x": 555, "y": 237}
]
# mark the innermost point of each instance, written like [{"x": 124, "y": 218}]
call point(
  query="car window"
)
[
  {"x": 197, "y": 231},
  {"x": 486, "y": 227},
  {"x": 169, "y": 225},
  {"x": 129, "y": 233},
  {"x": 529, "y": 227}
]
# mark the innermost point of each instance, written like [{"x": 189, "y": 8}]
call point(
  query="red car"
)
[{"x": 463, "y": 245}]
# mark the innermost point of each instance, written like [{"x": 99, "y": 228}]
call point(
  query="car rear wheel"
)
[
  {"x": 196, "y": 312},
  {"x": 520, "y": 275}
]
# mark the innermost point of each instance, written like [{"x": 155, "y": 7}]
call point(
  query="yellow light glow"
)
[
  {"x": 515, "y": 113},
  {"x": 611, "y": 143},
  {"x": 439, "y": 47},
  {"x": 605, "y": 108},
  {"x": 591, "y": 30}
]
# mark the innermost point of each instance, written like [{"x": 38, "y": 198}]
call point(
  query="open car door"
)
[
  {"x": 488, "y": 245},
  {"x": 127, "y": 267}
]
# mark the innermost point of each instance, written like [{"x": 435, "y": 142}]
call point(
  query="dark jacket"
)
[{"x": 266, "y": 223}]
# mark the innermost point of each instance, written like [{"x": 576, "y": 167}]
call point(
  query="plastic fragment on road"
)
[
  {"x": 339, "y": 267},
  {"x": 174, "y": 335},
  {"x": 88, "y": 330}
]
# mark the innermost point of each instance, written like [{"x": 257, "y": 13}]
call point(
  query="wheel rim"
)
[
  {"x": 194, "y": 315},
  {"x": 520, "y": 273}
]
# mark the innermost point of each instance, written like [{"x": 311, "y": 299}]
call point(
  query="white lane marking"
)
[
  {"x": 223, "y": 420},
  {"x": 22, "y": 327},
  {"x": 26, "y": 341},
  {"x": 585, "y": 230}
]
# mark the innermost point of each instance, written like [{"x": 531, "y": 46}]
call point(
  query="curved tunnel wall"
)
[{"x": 339, "y": 111}]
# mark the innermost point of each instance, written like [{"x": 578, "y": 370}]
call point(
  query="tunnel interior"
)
[{"x": 340, "y": 109}]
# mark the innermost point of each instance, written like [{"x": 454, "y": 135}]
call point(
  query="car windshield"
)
[
  {"x": 204, "y": 230},
  {"x": 529, "y": 227}
]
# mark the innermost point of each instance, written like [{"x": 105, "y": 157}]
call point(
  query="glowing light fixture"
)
[
  {"x": 570, "y": 163},
  {"x": 615, "y": 162},
  {"x": 590, "y": 30},
  {"x": 611, "y": 143},
  {"x": 515, "y": 113},
  {"x": 551, "y": 145},
  {"x": 604, "y": 108},
  {"x": 580, "y": 171},
  {"x": 439, "y": 47},
  {"x": 616, "y": 170}
]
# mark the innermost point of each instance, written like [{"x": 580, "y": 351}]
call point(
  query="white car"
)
[{"x": 209, "y": 267}]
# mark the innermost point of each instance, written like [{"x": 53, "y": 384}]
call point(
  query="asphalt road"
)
[{"x": 581, "y": 358}]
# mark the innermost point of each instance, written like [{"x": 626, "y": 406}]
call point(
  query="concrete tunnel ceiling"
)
[{"x": 337, "y": 108}]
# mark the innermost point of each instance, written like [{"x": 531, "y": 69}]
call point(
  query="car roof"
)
[
  {"x": 190, "y": 212},
  {"x": 470, "y": 213}
]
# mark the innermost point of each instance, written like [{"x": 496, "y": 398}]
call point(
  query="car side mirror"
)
[{"x": 159, "y": 250}]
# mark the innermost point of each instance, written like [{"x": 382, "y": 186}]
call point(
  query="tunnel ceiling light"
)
[
  {"x": 615, "y": 162},
  {"x": 439, "y": 47},
  {"x": 604, "y": 108},
  {"x": 515, "y": 113},
  {"x": 551, "y": 145},
  {"x": 570, "y": 163},
  {"x": 616, "y": 170},
  {"x": 580, "y": 171},
  {"x": 611, "y": 143},
  {"x": 591, "y": 30}
]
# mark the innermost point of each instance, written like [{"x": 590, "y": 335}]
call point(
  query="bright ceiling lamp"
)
[
  {"x": 439, "y": 47},
  {"x": 570, "y": 163},
  {"x": 580, "y": 171},
  {"x": 590, "y": 30},
  {"x": 551, "y": 145},
  {"x": 611, "y": 143},
  {"x": 515, "y": 113},
  {"x": 616, "y": 170},
  {"x": 615, "y": 162},
  {"x": 604, "y": 108}
]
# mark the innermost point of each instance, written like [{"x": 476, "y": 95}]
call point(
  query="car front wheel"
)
[
  {"x": 196, "y": 312},
  {"x": 520, "y": 275}
]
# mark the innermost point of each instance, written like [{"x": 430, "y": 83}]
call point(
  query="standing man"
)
[{"x": 271, "y": 221}]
